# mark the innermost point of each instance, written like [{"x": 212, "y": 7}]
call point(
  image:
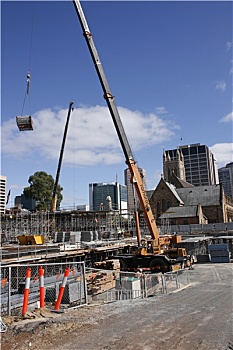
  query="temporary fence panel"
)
[
  {"x": 110, "y": 286},
  {"x": 175, "y": 280},
  {"x": 13, "y": 286}
]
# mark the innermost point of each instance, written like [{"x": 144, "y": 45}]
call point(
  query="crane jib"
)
[
  {"x": 134, "y": 170},
  {"x": 104, "y": 83}
]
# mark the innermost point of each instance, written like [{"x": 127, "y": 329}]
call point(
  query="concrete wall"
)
[{"x": 208, "y": 228}]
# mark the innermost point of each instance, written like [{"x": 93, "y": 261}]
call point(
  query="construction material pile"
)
[
  {"x": 100, "y": 282},
  {"x": 107, "y": 265}
]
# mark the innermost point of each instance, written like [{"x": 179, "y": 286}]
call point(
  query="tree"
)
[{"x": 41, "y": 189}]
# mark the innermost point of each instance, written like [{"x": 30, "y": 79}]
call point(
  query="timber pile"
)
[
  {"x": 100, "y": 282},
  {"x": 107, "y": 265}
]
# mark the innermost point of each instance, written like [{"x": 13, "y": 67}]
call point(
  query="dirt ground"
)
[{"x": 197, "y": 317}]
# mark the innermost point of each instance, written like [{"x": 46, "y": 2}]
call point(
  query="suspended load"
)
[{"x": 24, "y": 123}]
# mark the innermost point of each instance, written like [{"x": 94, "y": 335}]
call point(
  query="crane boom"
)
[
  {"x": 133, "y": 168},
  {"x": 54, "y": 197}
]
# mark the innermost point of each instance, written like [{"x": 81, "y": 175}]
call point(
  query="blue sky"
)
[{"x": 168, "y": 64}]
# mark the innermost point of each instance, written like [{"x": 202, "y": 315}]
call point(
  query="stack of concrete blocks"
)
[
  {"x": 73, "y": 292},
  {"x": 128, "y": 288},
  {"x": 51, "y": 293},
  {"x": 61, "y": 237},
  {"x": 52, "y": 285},
  {"x": 88, "y": 236},
  {"x": 75, "y": 236},
  {"x": 219, "y": 253}
]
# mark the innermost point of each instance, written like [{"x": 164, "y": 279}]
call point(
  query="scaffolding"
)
[
  {"x": 17, "y": 224},
  {"x": 47, "y": 223}
]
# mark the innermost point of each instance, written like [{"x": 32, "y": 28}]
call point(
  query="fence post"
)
[
  {"x": 26, "y": 291},
  {"x": 9, "y": 291},
  {"x": 164, "y": 283},
  {"x": 62, "y": 288},
  {"x": 177, "y": 284},
  {"x": 84, "y": 283},
  {"x": 41, "y": 281}
]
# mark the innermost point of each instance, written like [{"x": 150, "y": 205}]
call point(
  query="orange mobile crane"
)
[{"x": 161, "y": 256}]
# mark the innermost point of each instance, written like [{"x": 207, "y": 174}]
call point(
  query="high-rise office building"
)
[
  {"x": 2, "y": 194},
  {"x": 107, "y": 196},
  {"x": 226, "y": 179},
  {"x": 198, "y": 161},
  {"x": 131, "y": 193},
  {"x": 24, "y": 203}
]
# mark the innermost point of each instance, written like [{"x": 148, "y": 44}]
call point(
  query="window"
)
[
  {"x": 193, "y": 150},
  {"x": 168, "y": 204},
  {"x": 158, "y": 207},
  {"x": 163, "y": 205}
]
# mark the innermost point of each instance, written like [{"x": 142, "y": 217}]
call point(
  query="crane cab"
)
[{"x": 24, "y": 123}]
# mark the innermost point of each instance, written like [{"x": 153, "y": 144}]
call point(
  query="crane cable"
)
[{"x": 27, "y": 92}]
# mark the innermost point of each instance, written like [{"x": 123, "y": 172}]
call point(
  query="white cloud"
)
[
  {"x": 223, "y": 153},
  {"x": 228, "y": 45},
  {"x": 91, "y": 137},
  {"x": 221, "y": 86},
  {"x": 227, "y": 118},
  {"x": 160, "y": 110}
]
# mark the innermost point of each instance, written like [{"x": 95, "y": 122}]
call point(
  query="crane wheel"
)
[{"x": 158, "y": 265}]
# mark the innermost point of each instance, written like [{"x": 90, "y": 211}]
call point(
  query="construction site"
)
[{"x": 95, "y": 280}]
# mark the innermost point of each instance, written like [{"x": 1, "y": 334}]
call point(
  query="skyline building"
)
[
  {"x": 3, "y": 194},
  {"x": 226, "y": 179},
  {"x": 131, "y": 193},
  {"x": 193, "y": 163},
  {"x": 107, "y": 196},
  {"x": 24, "y": 203}
]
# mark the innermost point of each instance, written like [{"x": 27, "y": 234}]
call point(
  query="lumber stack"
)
[
  {"x": 100, "y": 282},
  {"x": 107, "y": 265}
]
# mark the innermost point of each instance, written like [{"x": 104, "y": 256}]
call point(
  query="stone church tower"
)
[{"x": 173, "y": 163}]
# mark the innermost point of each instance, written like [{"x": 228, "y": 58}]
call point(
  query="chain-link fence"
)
[
  {"x": 13, "y": 287},
  {"x": 109, "y": 285},
  {"x": 82, "y": 286}
]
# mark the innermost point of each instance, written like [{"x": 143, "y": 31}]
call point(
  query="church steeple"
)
[{"x": 173, "y": 162}]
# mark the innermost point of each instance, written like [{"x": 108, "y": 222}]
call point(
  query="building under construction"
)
[{"x": 107, "y": 223}]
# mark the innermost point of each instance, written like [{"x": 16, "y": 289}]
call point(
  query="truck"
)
[{"x": 157, "y": 254}]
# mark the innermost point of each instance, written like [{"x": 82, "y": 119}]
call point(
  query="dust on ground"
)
[{"x": 197, "y": 317}]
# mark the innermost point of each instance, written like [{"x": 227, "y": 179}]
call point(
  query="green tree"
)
[{"x": 41, "y": 189}]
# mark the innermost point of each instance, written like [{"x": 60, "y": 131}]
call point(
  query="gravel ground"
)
[{"x": 197, "y": 317}]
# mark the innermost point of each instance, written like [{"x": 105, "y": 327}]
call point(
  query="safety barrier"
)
[
  {"x": 41, "y": 288},
  {"x": 41, "y": 274},
  {"x": 64, "y": 285},
  {"x": 175, "y": 280},
  {"x": 110, "y": 286},
  {"x": 26, "y": 291},
  {"x": 62, "y": 289}
]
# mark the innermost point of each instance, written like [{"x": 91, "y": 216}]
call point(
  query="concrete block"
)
[
  {"x": 72, "y": 293},
  {"x": 86, "y": 236},
  {"x": 217, "y": 247},
  {"x": 75, "y": 236}
]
